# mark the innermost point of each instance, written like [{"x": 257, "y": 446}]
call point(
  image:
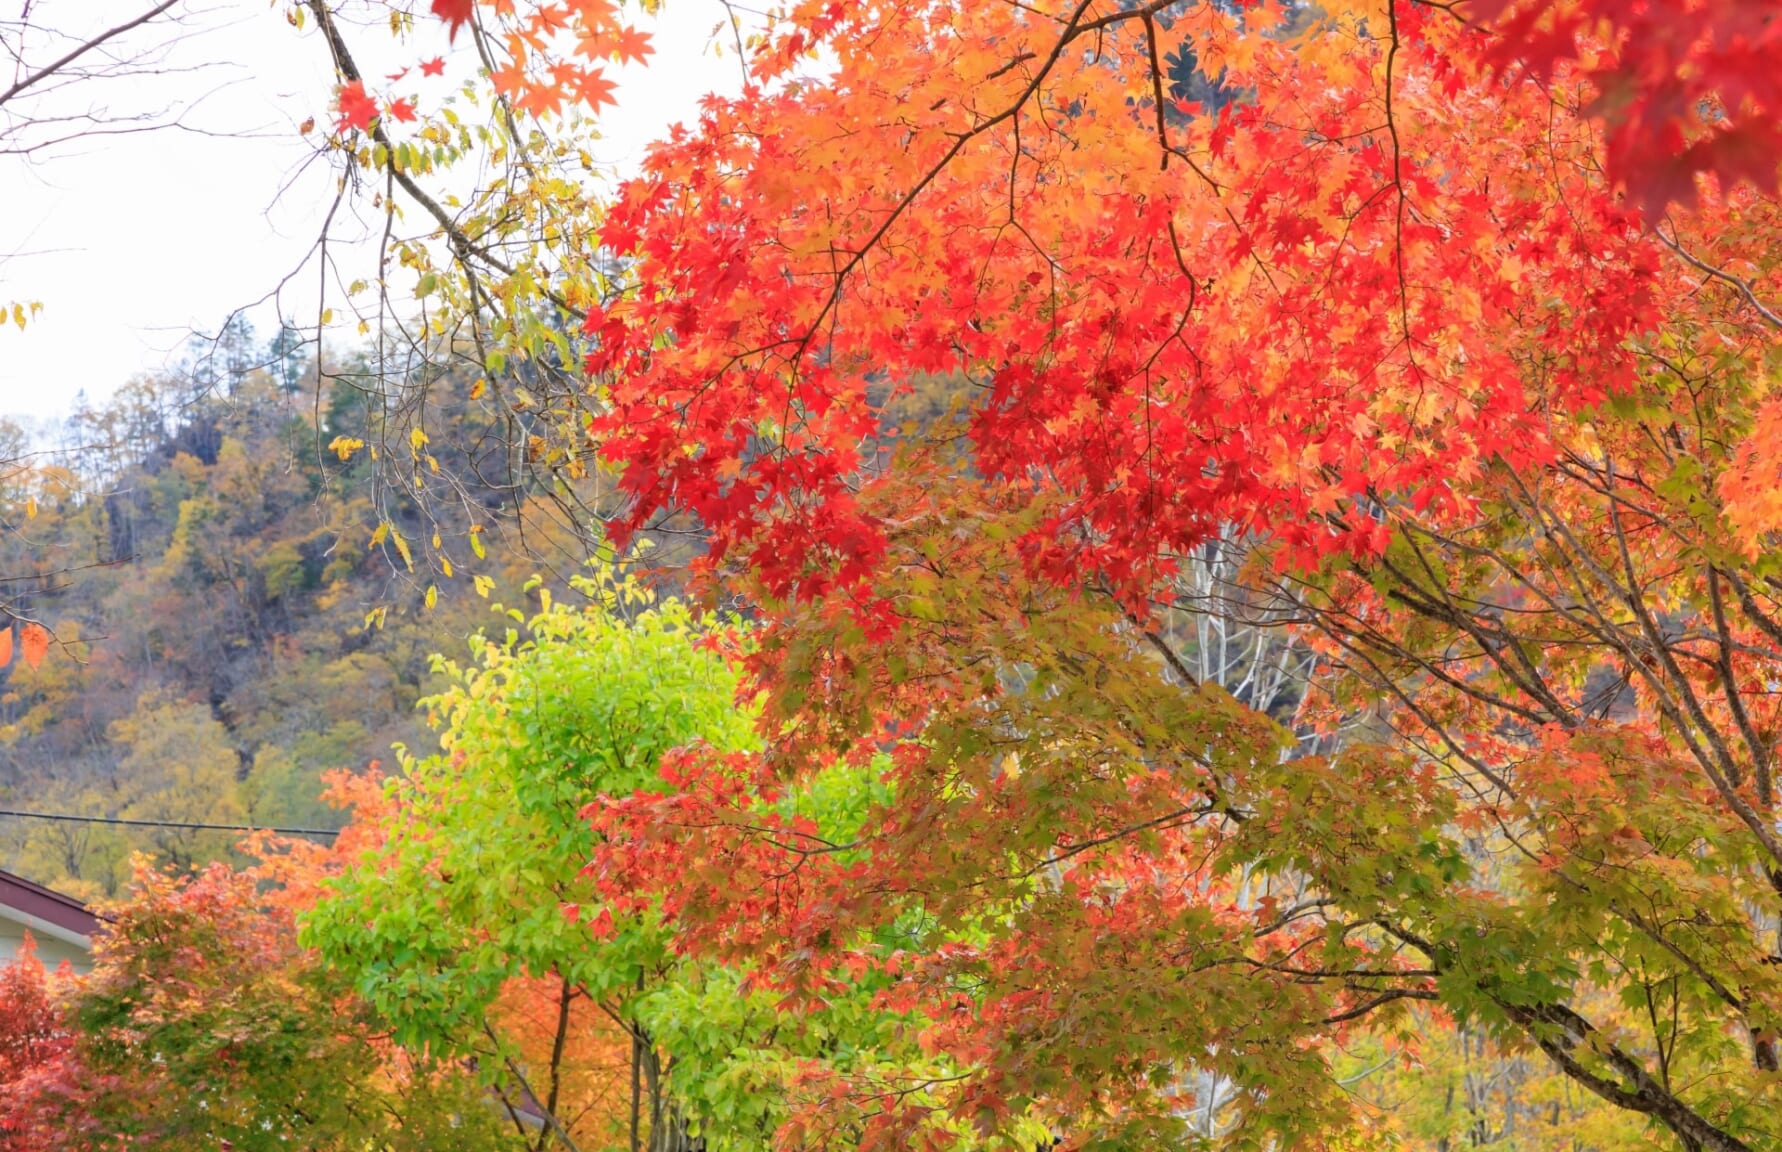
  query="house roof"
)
[{"x": 41, "y": 907}]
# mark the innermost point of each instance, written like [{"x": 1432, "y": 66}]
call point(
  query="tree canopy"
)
[{"x": 1226, "y": 569}]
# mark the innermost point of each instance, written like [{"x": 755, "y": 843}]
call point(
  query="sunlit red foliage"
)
[{"x": 1685, "y": 88}]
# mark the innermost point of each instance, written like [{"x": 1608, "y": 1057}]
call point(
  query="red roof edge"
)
[{"x": 66, "y": 912}]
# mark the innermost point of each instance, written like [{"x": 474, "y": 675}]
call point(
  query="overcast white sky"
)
[{"x": 132, "y": 242}]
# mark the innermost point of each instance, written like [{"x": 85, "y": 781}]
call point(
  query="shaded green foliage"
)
[{"x": 478, "y": 892}]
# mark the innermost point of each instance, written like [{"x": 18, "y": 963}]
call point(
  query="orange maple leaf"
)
[
  {"x": 511, "y": 80},
  {"x": 539, "y": 100},
  {"x": 595, "y": 13},
  {"x": 551, "y": 19},
  {"x": 630, "y": 44},
  {"x": 596, "y": 89},
  {"x": 34, "y": 641},
  {"x": 1751, "y": 486}
]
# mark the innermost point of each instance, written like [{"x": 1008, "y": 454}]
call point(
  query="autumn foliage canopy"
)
[
  {"x": 1241, "y": 539},
  {"x": 1056, "y": 382},
  {"x": 968, "y": 349}
]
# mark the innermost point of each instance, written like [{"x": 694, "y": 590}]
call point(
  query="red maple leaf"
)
[
  {"x": 454, "y": 13},
  {"x": 401, "y": 109},
  {"x": 630, "y": 44},
  {"x": 433, "y": 67},
  {"x": 394, "y": 76},
  {"x": 357, "y": 110}
]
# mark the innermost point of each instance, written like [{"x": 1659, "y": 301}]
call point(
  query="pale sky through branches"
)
[{"x": 133, "y": 241}]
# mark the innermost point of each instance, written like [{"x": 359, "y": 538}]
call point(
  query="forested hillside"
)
[{"x": 223, "y": 631}]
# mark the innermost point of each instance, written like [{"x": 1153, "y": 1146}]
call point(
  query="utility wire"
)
[{"x": 73, "y": 819}]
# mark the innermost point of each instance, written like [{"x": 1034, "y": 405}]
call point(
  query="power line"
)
[{"x": 71, "y": 818}]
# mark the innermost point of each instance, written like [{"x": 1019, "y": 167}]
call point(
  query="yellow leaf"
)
[{"x": 402, "y": 548}]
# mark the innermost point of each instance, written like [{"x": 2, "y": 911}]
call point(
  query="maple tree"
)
[{"x": 1388, "y": 296}]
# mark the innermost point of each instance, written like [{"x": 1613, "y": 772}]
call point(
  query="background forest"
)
[{"x": 223, "y": 632}]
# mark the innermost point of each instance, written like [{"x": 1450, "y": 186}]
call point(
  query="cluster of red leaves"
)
[
  {"x": 32, "y": 1043},
  {"x": 555, "y": 55},
  {"x": 357, "y": 109},
  {"x": 1686, "y": 87},
  {"x": 1297, "y": 311},
  {"x": 1359, "y": 221}
]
